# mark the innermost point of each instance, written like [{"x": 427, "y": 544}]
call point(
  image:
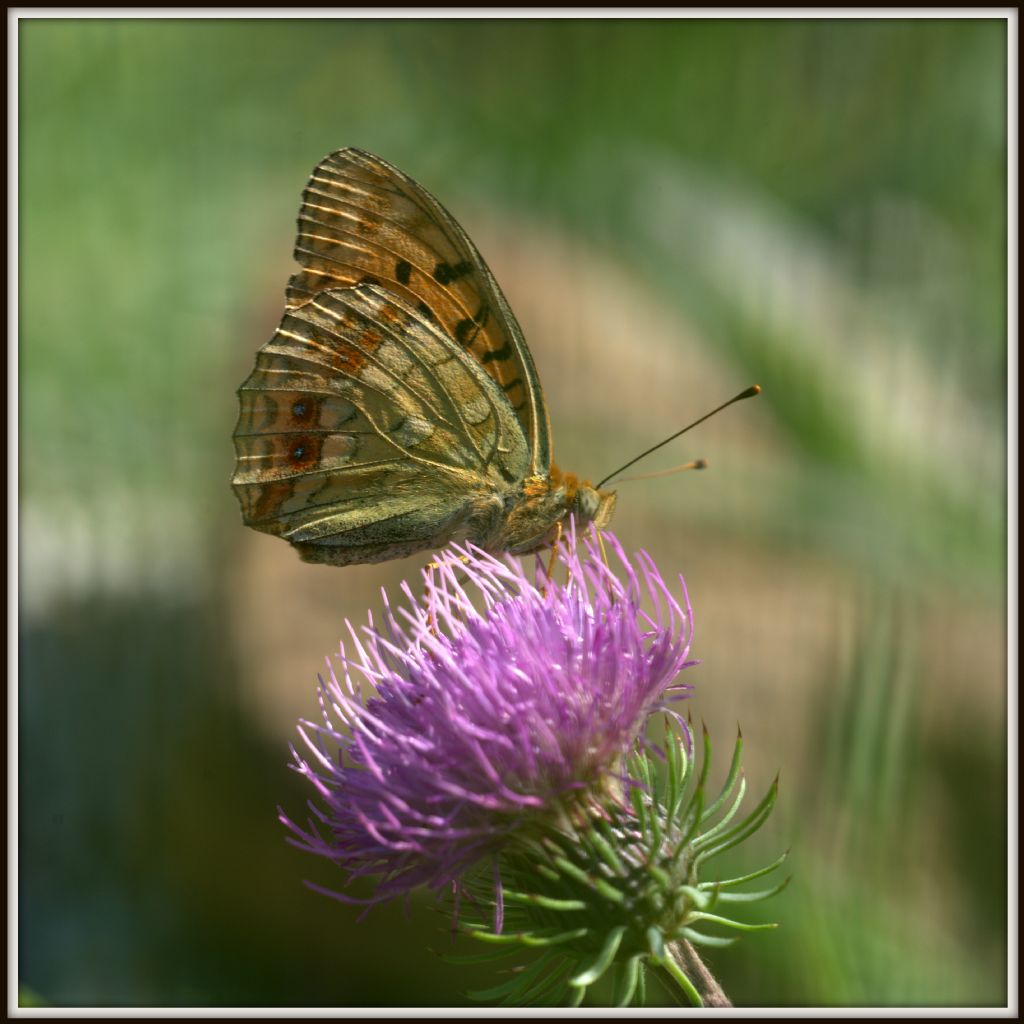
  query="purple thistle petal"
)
[{"x": 498, "y": 702}]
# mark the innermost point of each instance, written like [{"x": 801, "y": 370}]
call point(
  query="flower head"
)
[{"x": 498, "y": 703}]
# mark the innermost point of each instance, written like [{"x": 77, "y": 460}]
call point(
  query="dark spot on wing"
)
[
  {"x": 465, "y": 332},
  {"x": 426, "y": 311},
  {"x": 303, "y": 452},
  {"x": 445, "y": 273},
  {"x": 303, "y": 410},
  {"x": 403, "y": 271},
  {"x": 502, "y": 353},
  {"x": 511, "y": 393}
]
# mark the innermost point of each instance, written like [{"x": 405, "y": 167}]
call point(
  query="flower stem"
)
[{"x": 699, "y": 980}]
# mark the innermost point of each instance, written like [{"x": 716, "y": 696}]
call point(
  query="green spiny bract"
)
[{"x": 615, "y": 889}]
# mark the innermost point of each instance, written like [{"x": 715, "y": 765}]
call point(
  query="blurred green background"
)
[{"x": 675, "y": 209}]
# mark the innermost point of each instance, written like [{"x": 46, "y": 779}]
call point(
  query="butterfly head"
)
[
  {"x": 591, "y": 505},
  {"x": 580, "y": 499}
]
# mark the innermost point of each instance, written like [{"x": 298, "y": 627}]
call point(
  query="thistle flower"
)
[{"x": 490, "y": 719}]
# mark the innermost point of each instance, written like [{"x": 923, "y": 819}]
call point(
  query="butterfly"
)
[{"x": 397, "y": 406}]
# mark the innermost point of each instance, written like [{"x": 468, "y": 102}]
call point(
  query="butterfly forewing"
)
[{"x": 363, "y": 220}]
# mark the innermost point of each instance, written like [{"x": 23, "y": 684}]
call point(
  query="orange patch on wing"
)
[
  {"x": 300, "y": 451},
  {"x": 348, "y": 357},
  {"x": 268, "y": 500},
  {"x": 535, "y": 486}
]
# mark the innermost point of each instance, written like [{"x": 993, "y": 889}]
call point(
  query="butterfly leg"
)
[
  {"x": 551, "y": 561},
  {"x": 428, "y": 586},
  {"x": 428, "y": 583}
]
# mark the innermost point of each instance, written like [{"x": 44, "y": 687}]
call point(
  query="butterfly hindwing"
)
[
  {"x": 363, "y": 220},
  {"x": 365, "y": 432}
]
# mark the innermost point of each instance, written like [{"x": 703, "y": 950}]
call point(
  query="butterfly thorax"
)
[{"x": 543, "y": 506}]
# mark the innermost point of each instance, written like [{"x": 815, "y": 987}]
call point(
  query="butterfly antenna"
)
[
  {"x": 695, "y": 464},
  {"x": 749, "y": 393}
]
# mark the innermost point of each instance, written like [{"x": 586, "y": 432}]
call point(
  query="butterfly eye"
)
[{"x": 587, "y": 501}]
